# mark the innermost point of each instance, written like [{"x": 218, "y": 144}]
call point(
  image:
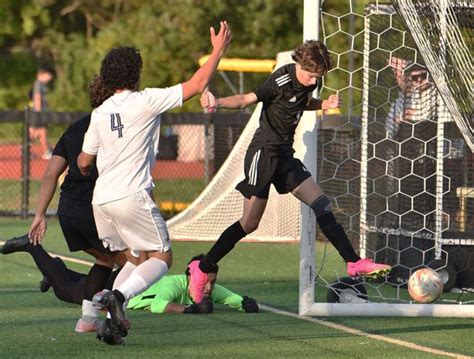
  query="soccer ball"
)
[{"x": 425, "y": 285}]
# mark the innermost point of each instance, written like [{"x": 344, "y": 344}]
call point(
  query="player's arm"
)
[
  {"x": 85, "y": 163},
  {"x": 209, "y": 101},
  {"x": 333, "y": 101},
  {"x": 202, "y": 76},
  {"x": 90, "y": 147},
  {"x": 222, "y": 295},
  {"x": 205, "y": 307},
  {"x": 56, "y": 166}
]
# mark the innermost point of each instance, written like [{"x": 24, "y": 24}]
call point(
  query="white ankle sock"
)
[
  {"x": 89, "y": 312},
  {"x": 144, "y": 275}
]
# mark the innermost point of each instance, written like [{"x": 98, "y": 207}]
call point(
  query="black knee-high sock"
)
[
  {"x": 57, "y": 275},
  {"x": 72, "y": 291},
  {"x": 335, "y": 233},
  {"x": 224, "y": 245},
  {"x": 96, "y": 280},
  {"x": 110, "y": 281}
]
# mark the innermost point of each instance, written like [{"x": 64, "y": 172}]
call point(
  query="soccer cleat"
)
[
  {"x": 16, "y": 244},
  {"x": 367, "y": 268},
  {"x": 109, "y": 301},
  {"x": 84, "y": 327},
  {"x": 197, "y": 281},
  {"x": 107, "y": 333},
  {"x": 44, "y": 285},
  {"x": 97, "y": 299}
]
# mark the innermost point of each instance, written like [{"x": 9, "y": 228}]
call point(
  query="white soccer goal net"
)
[{"x": 398, "y": 168}]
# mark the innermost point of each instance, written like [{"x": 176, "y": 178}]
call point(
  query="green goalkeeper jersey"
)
[{"x": 174, "y": 289}]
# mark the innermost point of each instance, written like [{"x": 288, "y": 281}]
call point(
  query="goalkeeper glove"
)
[
  {"x": 249, "y": 305},
  {"x": 205, "y": 307}
]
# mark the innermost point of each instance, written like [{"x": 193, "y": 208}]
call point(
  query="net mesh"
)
[
  {"x": 444, "y": 34},
  {"x": 397, "y": 167}
]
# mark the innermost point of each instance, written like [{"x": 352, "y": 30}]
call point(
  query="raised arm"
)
[
  {"x": 202, "y": 76},
  {"x": 56, "y": 166}
]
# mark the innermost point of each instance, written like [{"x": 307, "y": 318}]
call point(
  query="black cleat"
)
[
  {"x": 114, "y": 306},
  {"x": 44, "y": 285},
  {"x": 107, "y": 333},
  {"x": 16, "y": 244}
]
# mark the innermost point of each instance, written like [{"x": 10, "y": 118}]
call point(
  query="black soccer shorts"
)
[
  {"x": 263, "y": 169},
  {"x": 80, "y": 233}
]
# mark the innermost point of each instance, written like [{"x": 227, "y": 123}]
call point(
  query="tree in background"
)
[{"x": 73, "y": 35}]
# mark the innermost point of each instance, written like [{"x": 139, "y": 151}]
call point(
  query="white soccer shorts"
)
[{"x": 133, "y": 222}]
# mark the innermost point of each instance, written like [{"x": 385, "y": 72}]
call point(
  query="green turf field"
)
[{"x": 37, "y": 325}]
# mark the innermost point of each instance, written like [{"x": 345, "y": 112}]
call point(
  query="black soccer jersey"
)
[
  {"x": 284, "y": 99},
  {"x": 76, "y": 190}
]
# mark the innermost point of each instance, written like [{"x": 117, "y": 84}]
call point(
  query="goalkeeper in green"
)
[{"x": 171, "y": 295}]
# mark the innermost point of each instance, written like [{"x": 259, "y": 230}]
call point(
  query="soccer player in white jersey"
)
[{"x": 122, "y": 140}]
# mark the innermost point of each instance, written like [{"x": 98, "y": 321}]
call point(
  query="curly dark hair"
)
[
  {"x": 313, "y": 56},
  {"x": 98, "y": 92},
  {"x": 121, "y": 68}
]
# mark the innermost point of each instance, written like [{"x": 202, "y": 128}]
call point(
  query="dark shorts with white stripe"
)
[{"x": 263, "y": 168}]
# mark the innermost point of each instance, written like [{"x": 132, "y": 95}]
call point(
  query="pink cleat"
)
[
  {"x": 367, "y": 268},
  {"x": 84, "y": 327},
  {"x": 197, "y": 281}
]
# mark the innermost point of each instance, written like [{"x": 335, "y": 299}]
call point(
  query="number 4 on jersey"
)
[{"x": 116, "y": 123}]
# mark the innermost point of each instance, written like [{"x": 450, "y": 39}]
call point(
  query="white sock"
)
[
  {"x": 89, "y": 312},
  {"x": 125, "y": 272},
  {"x": 144, "y": 275}
]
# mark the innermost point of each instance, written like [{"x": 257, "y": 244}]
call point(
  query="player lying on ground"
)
[
  {"x": 75, "y": 217},
  {"x": 269, "y": 159},
  {"x": 122, "y": 140},
  {"x": 171, "y": 295}
]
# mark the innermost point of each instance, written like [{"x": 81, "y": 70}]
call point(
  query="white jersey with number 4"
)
[{"x": 124, "y": 133}]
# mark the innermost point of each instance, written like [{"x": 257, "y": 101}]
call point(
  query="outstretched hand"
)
[
  {"x": 37, "y": 230},
  {"x": 223, "y": 37},
  {"x": 333, "y": 101}
]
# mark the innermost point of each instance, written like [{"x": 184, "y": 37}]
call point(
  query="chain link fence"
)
[{"x": 192, "y": 148}]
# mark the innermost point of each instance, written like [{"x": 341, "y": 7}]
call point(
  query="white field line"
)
[
  {"x": 364, "y": 334},
  {"x": 331, "y": 325}
]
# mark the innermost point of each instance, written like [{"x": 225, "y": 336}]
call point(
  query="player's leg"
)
[
  {"x": 142, "y": 229},
  {"x": 81, "y": 234},
  {"x": 310, "y": 193},
  {"x": 207, "y": 269},
  {"x": 52, "y": 268}
]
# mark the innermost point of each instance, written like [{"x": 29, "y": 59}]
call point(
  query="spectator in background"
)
[{"x": 39, "y": 104}]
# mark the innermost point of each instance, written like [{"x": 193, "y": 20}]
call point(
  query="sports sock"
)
[
  {"x": 335, "y": 233},
  {"x": 89, "y": 312},
  {"x": 96, "y": 280},
  {"x": 112, "y": 278},
  {"x": 224, "y": 245},
  {"x": 125, "y": 272},
  {"x": 142, "y": 277}
]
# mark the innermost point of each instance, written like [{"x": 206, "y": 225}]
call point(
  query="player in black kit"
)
[
  {"x": 269, "y": 159},
  {"x": 76, "y": 220}
]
